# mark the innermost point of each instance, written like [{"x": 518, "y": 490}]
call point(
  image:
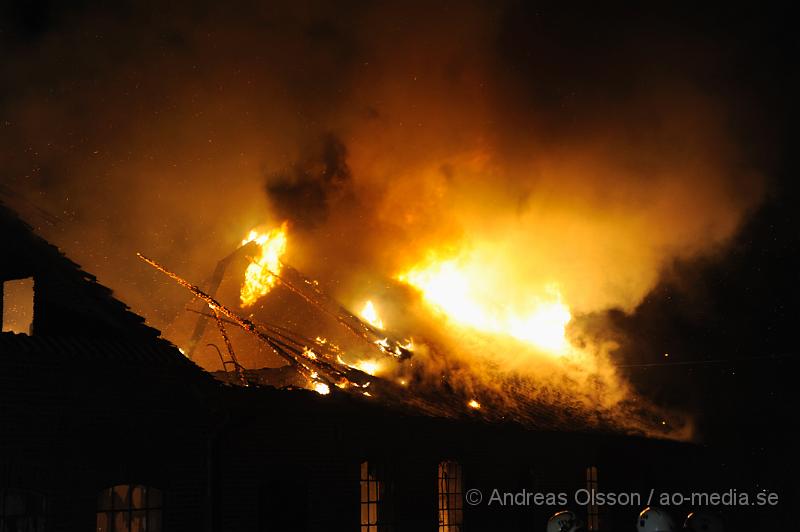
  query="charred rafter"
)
[
  {"x": 311, "y": 367},
  {"x": 309, "y": 291}
]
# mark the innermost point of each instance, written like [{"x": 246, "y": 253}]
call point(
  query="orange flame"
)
[
  {"x": 260, "y": 276},
  {"x": 370, "y": 367},
  {"x": 370, "y": 315},
  {"x": 455, "y": 288},
  {"x": 321, "y": 388}
]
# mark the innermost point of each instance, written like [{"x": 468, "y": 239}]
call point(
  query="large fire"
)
[
  {"x": 473, "y": 289},
  {"x": 260, "y": 276},
  {"x": 455, "y": 288},
  {"x": 465, "y": 291}
]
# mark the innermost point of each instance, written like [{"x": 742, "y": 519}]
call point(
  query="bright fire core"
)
[
  {"x": 370, "y": 315},
  {"x": 456, "y": 288},
  {"x": 260, "y": 276}
]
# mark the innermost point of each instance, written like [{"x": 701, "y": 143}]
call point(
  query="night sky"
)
[{"x": 122, "y": 122}]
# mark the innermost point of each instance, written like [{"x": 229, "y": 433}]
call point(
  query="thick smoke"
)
[
  {"x": 303, "y": 194},
  {"x": 585, "y": 149}
]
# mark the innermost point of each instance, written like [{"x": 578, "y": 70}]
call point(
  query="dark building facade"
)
[
  {"x": 93, "y": 399},
  {"x": 105, "y": 425}
]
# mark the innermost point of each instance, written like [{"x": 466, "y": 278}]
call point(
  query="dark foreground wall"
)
[
  {"x": 79, "y": 416},
  {"x": 290, "y": 461}
]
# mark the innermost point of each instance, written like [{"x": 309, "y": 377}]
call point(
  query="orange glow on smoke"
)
[
  {"x": 260, "y": 276},
  {"x": 457, "y": 289}
]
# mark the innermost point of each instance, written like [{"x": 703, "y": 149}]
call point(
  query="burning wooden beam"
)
[
  {"x": 319, "y": 299},
  {"x": 229, "y": 346},
  {"x": 313, "y": 368},
  {"x": 213, "y": 285}
]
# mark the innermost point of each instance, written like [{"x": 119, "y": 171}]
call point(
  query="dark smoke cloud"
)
[{"x": 304, "y": 193}]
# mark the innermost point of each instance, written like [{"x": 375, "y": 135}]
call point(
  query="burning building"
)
[
  {"x": 390, "y": 252},
  {"x": 107, "y": 424}
]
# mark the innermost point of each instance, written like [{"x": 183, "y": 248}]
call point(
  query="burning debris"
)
[
  {"x": 322, "y": 364},
  {"x": 378, "y": 363},
  {"x": 319, "y": 361}
]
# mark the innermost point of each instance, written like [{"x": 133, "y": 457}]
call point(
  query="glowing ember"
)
[
  {"x": 370, "y": 315},
  {"x": 409, "y": 345},
  {"x": 321, "y": 388},
  {"x": 456, "y": 288},
  {"x": 474, "y": 404},
  {"x": 382, "y": 344},
  {"x": 259, "y": 278}
]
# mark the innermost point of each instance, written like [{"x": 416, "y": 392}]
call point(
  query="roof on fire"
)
[{"x": 118, "y": 337}]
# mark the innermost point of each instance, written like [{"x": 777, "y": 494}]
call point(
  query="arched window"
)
[
  {"x": 450, "y": 490},
  {"x": 129, "y": 508},
  {"x": 21, "y": 511}
]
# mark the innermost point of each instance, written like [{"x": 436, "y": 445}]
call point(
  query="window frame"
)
[
  {"x": 372, "y": 477},
  {"x": 450, "y": 496},
  {"x": 152, "y": 504},
  {"x": 592, "y": 510},
  {"x": 28, "y": 495}
]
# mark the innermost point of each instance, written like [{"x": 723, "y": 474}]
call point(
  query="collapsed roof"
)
[{"x": 77, "y": 317}]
